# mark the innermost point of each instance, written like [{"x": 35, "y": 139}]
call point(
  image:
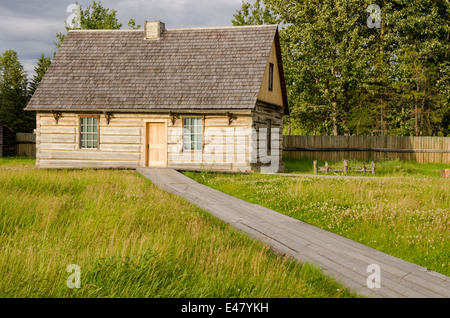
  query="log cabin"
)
[{"x": 188, "y": 99}]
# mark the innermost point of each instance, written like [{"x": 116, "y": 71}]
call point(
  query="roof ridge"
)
[
  {"x": 226, "y": 27},
  {"x": 179, "y": 29}
]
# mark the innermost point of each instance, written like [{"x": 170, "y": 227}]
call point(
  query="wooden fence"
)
[
  {"x": 333, "y": 148},
  {"x": 26, "y": 145},
  {"x": 368, "y": 148}
]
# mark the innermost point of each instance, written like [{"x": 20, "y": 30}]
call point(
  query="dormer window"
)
[{"x": 270, "y": 76}]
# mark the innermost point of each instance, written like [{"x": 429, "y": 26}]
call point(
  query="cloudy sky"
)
[{"x": 29, "y": 27}]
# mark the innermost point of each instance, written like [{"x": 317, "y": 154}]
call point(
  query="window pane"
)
[
  {"x": 198, "y": 146},
  {"x": 88, "y": 132},
  {"x": 83, "y": 126},
  {"x": 192, "y": 133}
]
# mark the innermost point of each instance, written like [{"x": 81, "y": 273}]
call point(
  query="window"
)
[
  {"x": 88, "y": 132},
  {"x": 192, "y": 134},
  {"x": 270, "y": 76},
  {"x": 269, "y": 136}
]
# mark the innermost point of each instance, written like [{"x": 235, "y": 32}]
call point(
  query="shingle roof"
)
[{"x": 203, "y": 68}]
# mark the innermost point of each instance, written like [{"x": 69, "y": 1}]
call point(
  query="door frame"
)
[{"x": 145, "y": 148}]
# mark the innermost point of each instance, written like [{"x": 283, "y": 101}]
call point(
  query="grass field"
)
[
  {"x": 393, "y": 168},
  {"x": 405, "y": 214},
  {"x": 130, "y": 239}
]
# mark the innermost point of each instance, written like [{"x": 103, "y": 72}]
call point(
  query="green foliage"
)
[
  {"x": 14, "y": 94},
  {"x": 132, "y": 25},
  {"x": 346, "y": 78},
  {"x": 95, "y": 17},
  {"x": 255, "y": 14},
  {"x": 41, "y": 67}
]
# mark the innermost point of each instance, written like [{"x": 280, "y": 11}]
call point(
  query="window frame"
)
[
  {"x": 201, "y": 134},
  {"x": 81, "y": 133},
  {"x": 271, "y": 69}
]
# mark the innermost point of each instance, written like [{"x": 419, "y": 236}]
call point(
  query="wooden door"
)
[{"x": 156, "y": 145}]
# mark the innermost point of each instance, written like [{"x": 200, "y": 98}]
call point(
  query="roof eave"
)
[{"x": 242, "y": 111}]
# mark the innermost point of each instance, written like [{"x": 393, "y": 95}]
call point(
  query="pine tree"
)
[
  {"x": 14, "y": 94},
  {"x": 40, "y": 69}
]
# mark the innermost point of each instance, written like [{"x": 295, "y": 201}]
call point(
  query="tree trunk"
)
[
  {"x": 334, "y": 118},
  {"x": 334, "y": 105},
  {"x": 416, "y": 113},
  {"x": 416, "y": 118}
]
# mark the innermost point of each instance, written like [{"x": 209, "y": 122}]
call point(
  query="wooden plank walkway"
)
[{"x": 345, "y": 260}]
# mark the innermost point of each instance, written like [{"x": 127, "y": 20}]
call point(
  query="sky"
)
[{"x": 29, "y": 27}]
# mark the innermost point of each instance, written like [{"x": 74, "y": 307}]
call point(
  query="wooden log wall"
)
[
  {"x": 121, "y": 142},
  {"x": 226, "y": 145},
  {"x": 263, "y": 115},
  {"x": 368, "y": 148}
]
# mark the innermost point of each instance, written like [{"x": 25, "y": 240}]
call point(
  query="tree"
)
[
  {"x": 255, "y": 14},
  {"x": 132, "y": 25},
  {"x": 355, "y": 78},
  {"x": 327, "y": 50},
  {"x": 95, "y": 16},
  {"x": 421, "y": 41},
  {"x": 14, "y": 94},
  {"x": 40, "y": 69}
]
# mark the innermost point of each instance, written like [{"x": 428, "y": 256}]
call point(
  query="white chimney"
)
[{"x": 153, "y": 29}]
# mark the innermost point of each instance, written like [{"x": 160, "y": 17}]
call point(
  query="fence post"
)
[
  {"x": 315, "y": 166},
  {"x": 326, "y": 166},
  {"x": 364, "y": 168},
  {"x": 373, "y": 167},
  {"x": 345, "y": 166}
]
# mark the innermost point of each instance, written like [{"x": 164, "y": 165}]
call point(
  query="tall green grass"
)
[
  {"x": 405, "y": 216},
  {"x": 130, "y": 239}
]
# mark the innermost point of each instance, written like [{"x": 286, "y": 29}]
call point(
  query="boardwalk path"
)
[{"x": 345, "y": 260}]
